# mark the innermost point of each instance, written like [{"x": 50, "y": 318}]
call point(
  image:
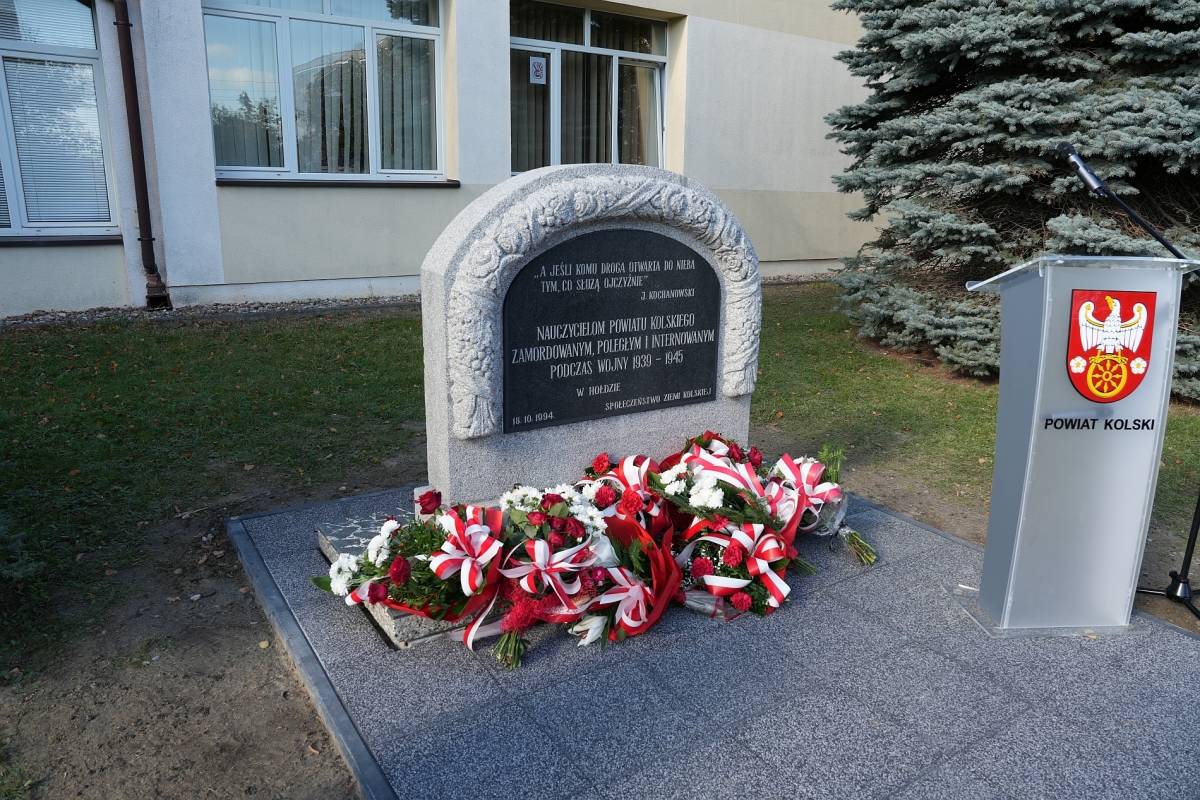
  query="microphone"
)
[{"x": 1066, "y": 151}]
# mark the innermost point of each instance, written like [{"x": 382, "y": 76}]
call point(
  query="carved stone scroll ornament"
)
[{"x": 503, "y": 246}]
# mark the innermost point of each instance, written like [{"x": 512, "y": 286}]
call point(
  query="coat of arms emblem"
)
[{"x": 1108, "y": 351}]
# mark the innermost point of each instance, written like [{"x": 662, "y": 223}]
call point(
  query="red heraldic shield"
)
[{"x": 1108, "y": 351}]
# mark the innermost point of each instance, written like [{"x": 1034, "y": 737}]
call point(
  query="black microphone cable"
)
[{"x": 1066, "y": 152}]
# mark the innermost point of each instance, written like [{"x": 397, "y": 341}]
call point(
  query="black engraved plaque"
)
[{"x": 611, "y": 322}]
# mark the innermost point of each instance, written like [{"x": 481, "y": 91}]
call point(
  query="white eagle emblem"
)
[{"x": 1111, "y": 335}]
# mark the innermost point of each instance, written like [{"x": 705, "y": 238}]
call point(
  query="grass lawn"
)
[{"x": 108, "y": 429}]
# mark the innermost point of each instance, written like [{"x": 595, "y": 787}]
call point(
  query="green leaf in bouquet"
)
[
  {"x": 619, "y": 550},
  {"x": 620, "y": 634},
  {"x": 833, "y": 458},
  {"x": 637, "y": 559},
  {"x": 559, "y": 510},
  {"x": 323, "y": 583}
]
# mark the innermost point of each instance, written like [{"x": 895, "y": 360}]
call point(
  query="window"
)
[
  {"x": 586, "y": 86},
  {"x": 324, "y": 89},
  {"x": 54, "y": 167}
]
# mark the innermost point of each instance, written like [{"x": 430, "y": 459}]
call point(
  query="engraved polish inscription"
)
[{"x": 611, "y": 322}]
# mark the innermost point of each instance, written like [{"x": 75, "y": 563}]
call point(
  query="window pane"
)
[
  {"x": 629, "y": 33},
  {"x": 243, "y": 85},
  {"x": 312, "y": 6},
  {"x": 531, "y": 20},
  {"x": 329, "y": 73},
  {"x": 62, "y": 22},
  {"x": 637, "y": 114},
  {"x": 407, "y": 127},
  {"x": 59, "y": 153},
  {"x": 410, "y": 12},
  {"x": 586, "y": 108},
  {"x": 530, "y": 92}
]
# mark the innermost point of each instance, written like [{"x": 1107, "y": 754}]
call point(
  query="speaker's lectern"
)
[{"x": 1087, "y": 345}]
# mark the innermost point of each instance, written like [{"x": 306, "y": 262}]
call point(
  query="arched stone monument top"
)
[{"x": 477, "y": 257}]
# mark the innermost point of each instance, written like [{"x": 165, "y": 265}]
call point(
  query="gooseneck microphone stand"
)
[{"x": 1179, "y": 589}]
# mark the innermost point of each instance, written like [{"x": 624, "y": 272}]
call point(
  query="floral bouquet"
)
[
  {"x": 557, "y": 554},
  {"x": 744, "y": 519},
  {"x": 409, "y": 567},
  {"x": 623, "y": 490},
  {"x": 633, "y": 593}
]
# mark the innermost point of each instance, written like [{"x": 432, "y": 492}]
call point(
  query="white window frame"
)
[
  {"x": 554, "y": 51},
  {"x": 283, "y": 48},
  {"x": 14, "y": 190}
]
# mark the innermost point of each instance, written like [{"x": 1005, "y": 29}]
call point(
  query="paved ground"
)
[{"x": 870, "y": 683}]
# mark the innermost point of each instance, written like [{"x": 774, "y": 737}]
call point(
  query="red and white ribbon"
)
[
  {"x": 630, "y": 595},
  {"x": 762, "y": 546},
  {"x": 469, "y": 547},
  {"x": 810, "y": 491},
  {"x": 630, "y": 474},
  {"x": 548, "y": 569}
]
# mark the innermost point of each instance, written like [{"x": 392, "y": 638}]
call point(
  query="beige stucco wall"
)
[
  {"x": 798, "y": 226},
  {"x": 812, "y": 18},
  {"x": 280, "y": 233},
  {"x": 62, "y": 278}
]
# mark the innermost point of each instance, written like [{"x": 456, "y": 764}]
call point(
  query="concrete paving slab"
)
[{"x": 871, "y": 682}]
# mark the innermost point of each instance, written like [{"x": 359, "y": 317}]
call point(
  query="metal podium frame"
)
[{"x": 1071, "y": 501}]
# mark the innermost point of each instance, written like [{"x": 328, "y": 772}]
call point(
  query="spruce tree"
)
[{"x": 954, "y": 150}]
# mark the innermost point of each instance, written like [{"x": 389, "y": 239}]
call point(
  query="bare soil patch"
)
[{"x": 176, "y": 697}]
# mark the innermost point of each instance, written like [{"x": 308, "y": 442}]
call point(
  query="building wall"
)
[
  {"x": 748, "y": 86},
  {"x": 56, "y": 278},
  {"x": 277, "y": 233}
]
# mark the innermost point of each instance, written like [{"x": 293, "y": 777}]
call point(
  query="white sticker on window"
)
[{"x": 537, "y": 70}]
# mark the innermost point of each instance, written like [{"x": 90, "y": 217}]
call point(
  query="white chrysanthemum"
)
[
  {"x": 523, "y": 498},
  {"x": 377, "y": 548},
  {"x": 340, "y": 573},
  {"x": 1138, "y": 366},
  {"x": 591, "y": 517},
  {"x": 568, "y": 493},
  {"x": 1078, "y": 364},
  {"x": 589, "y": 490},
  {"x": 388, "y": 527},
  {"x": 675, "y": 487}
]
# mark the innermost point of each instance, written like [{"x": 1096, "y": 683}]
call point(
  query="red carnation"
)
[
  {"x": 605, "y": 496},
  {"x": 701, "y": 567},
  {"x": 755, "y": 457},
  {"x": 575, "y": 529},
  {"x": 601, "y": 464},
  {"x": 741, "y": 601},
  {"x": 430, "y": 502},
  {"x": 377, "y": 593},
  {"x": 400, "y": 571},
  {"x": 733, "y": 554},
  {"x": 735, "y": 453},
  {"x": 631, "y": 502},
  {"x": 555, "y": 539},
  {"x": 719, "y": 522},
  {"x": 557, "y": 523},
  {"x": 536, "y": 518},
  {"x": 549, "y": 501}
]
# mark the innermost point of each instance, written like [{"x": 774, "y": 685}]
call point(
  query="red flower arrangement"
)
[{"x": 708, "y": 527}]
